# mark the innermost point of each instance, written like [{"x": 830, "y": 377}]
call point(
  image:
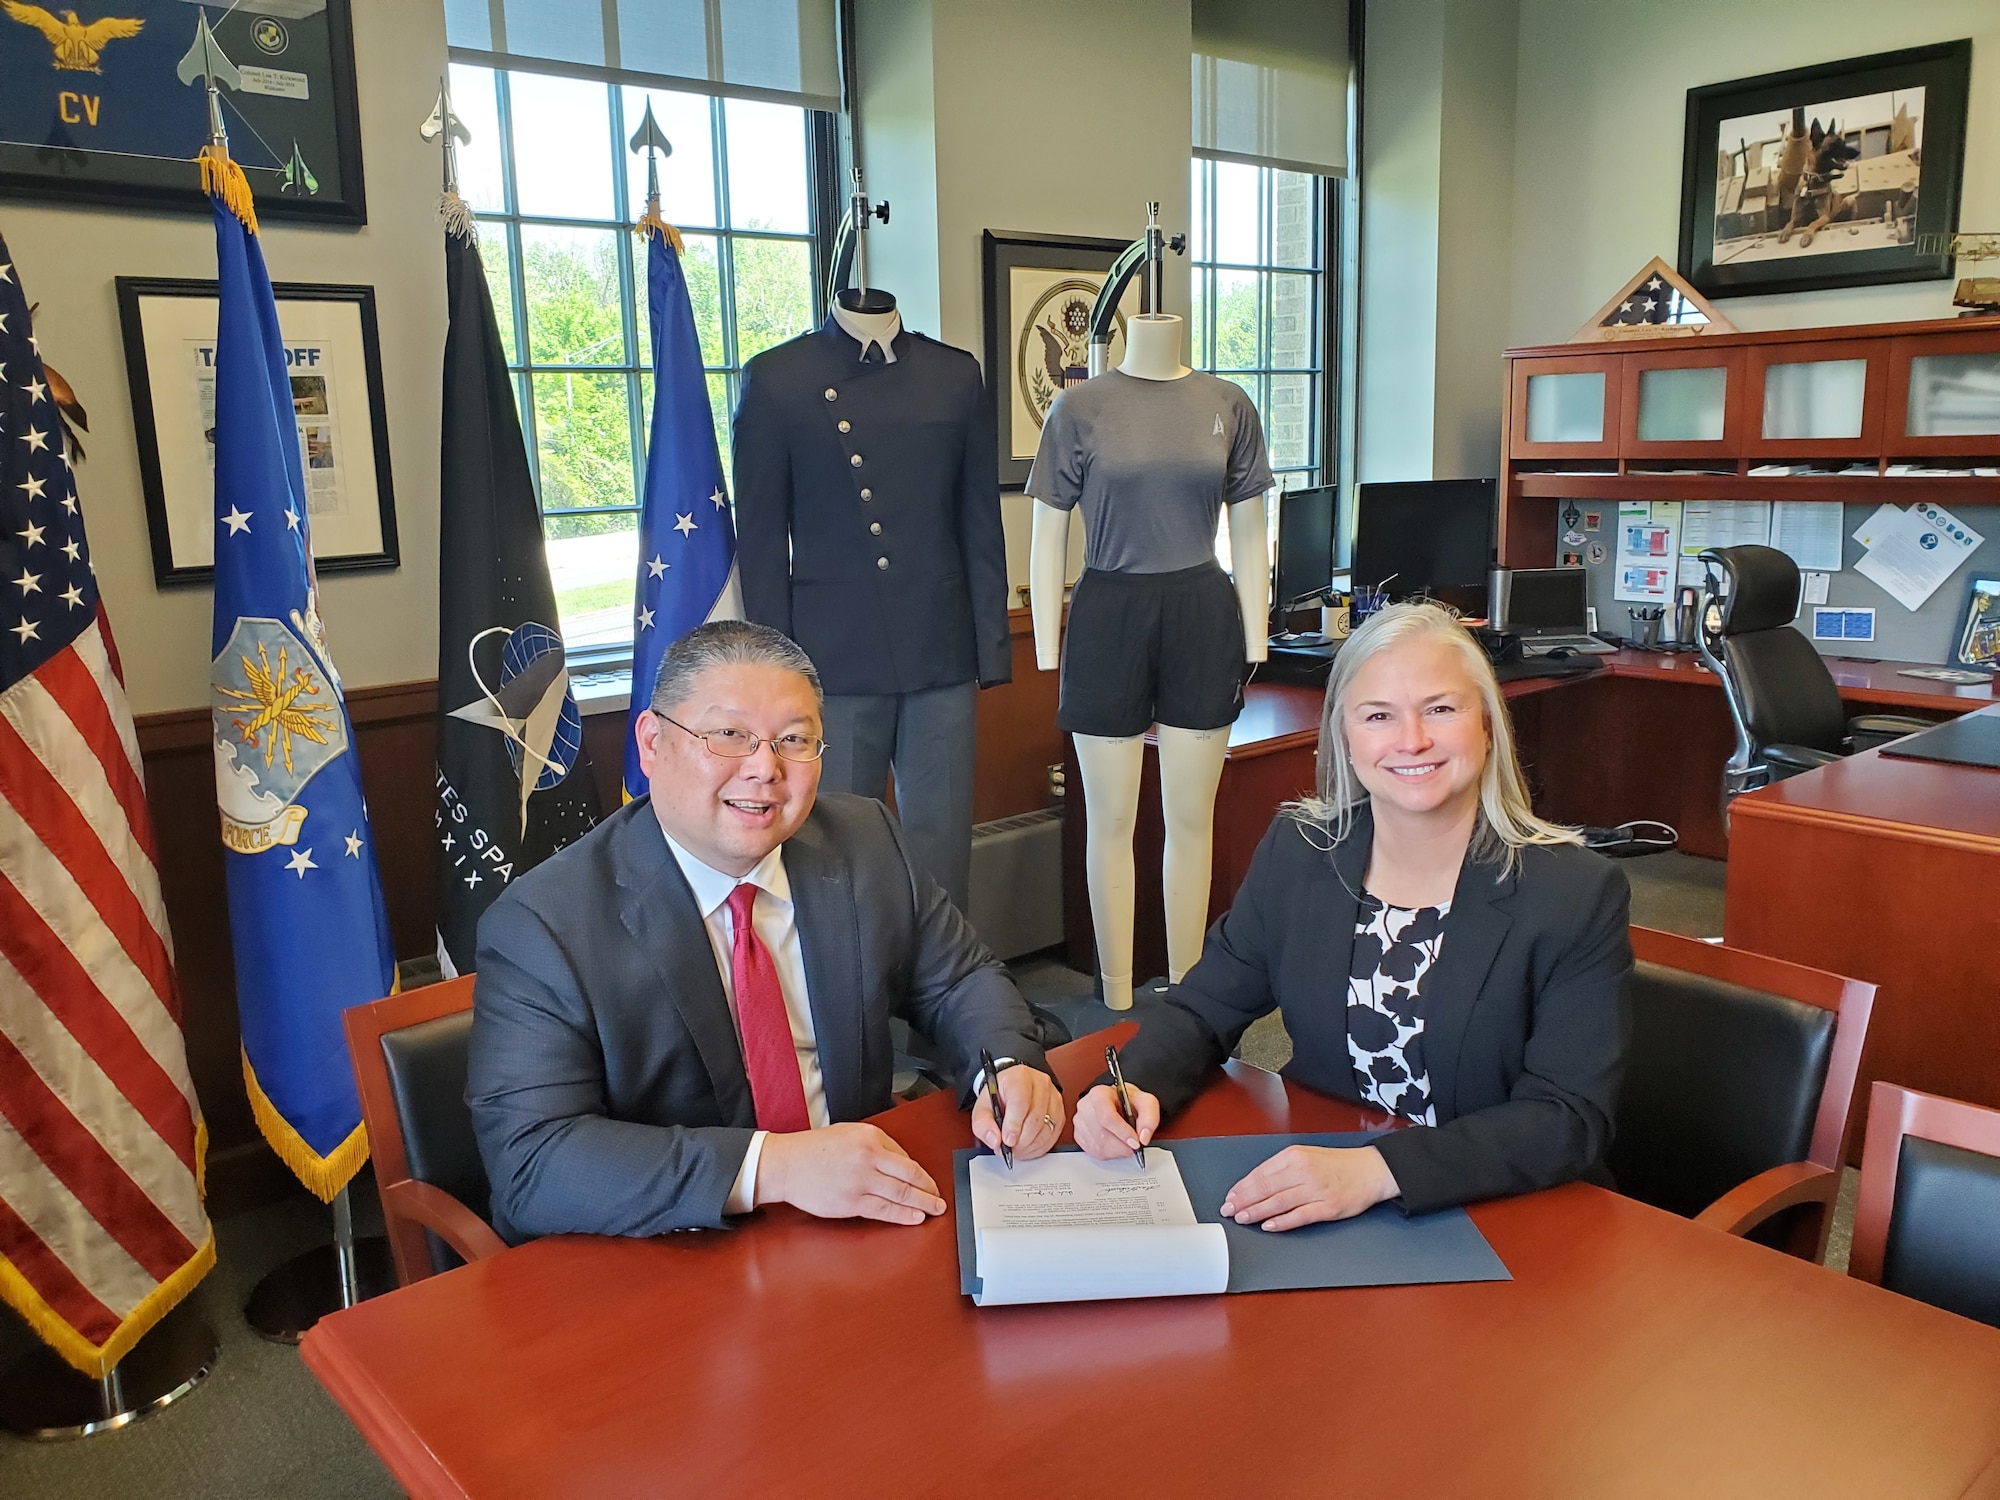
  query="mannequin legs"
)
[
  {"x": 1190, "y": 770},
  {"x": 1111, "y": 807},
  {"x": 928, "y": 737}
]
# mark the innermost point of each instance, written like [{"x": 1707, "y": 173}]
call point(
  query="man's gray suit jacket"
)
[{"x": 606, "y": 1080}]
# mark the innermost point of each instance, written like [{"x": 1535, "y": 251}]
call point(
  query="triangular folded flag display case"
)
[{"x": 1656, "y": 303}]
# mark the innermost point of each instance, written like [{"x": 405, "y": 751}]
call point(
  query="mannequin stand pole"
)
[
  {"x": 296, "y": 1295},
  {"x": 43, "y": 1399}
]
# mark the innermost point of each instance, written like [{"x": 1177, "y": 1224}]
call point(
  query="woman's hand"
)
[
  {"x": 1307, "y": 1185},
  {"x": 1101, "y": 1130},
  {"x": 1033, "y": 1106}
]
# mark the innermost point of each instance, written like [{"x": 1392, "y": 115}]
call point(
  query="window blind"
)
[
  {"x": 778, "y": 50},
  {"x": 1270, "y": 83}
]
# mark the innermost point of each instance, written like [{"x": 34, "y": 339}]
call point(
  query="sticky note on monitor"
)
[{"x": 1843, "y": 624}]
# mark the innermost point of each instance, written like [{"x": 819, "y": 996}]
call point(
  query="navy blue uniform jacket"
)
[
  {"x": 1526, "y": 1017},
  {"x": 606, "y": 1080},
  {"x": 868, "y": 512}
]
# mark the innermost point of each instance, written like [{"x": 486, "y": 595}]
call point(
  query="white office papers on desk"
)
[{"x": 1065, "y": 1228}]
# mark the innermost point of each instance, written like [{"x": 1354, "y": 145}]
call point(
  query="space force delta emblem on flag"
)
[{"x": 102, "y": 1229}]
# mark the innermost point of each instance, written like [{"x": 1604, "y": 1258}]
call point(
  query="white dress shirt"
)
[
  {"x": 879, "y": 329},
  {"x": 775, "y": 921}
]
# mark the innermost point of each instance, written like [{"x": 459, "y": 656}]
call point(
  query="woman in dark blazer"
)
[{"x": 1436, "y": 949}]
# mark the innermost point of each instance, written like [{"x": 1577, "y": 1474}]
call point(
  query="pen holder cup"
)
[{"x": 1646, "y": 625}]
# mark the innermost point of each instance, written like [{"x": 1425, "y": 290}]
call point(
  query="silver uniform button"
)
[
  {"x": 855, "y": 460},
  {"x": 874, "y": 528},
  {"x": 867, "y": 494},
  {"x": 832, "y": 394},
  {"x": 846, "y": 426},
  {"x": 882, "y": 563}
]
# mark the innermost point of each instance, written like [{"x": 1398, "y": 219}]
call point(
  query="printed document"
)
[
  {"x": 1919, "y": 549},
  {"x": 1065, "y": 1228}
]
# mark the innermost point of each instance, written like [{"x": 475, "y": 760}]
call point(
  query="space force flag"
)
[
  {"x": 687, "y": 540},
  {"x": 306, "y": 918},
  {"x": 513, "y": 782}
]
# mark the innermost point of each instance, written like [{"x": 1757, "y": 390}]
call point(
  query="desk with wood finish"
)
[
  {"x": 1888, "y": 870},
  {"x": 1646, "y": 737},
  {"x": 1633, "y": 1353}
]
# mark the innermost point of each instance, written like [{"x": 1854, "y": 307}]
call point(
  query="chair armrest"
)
[
  {"x": 1789, "y": 760},
  {"x": 1771, "y": 1192},
  {"x": 444, "y": 1216},
  {"x": 1868, "y": 731}
]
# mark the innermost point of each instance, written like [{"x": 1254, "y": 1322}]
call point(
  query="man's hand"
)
[
  {"x": 1034, "y": 1109},
  {"x": 1101, "y": 1130},
  {"x": 851, "y": 1171},
  {"x": 1308, "y": 1184}
]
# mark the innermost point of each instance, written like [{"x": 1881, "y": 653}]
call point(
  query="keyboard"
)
[{"x": 1542, "y": 645}]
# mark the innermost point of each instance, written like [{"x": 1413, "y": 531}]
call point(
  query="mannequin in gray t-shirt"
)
[
  {"x": 1152, "y": 451},
  {"x": 1151, "y": 462}
]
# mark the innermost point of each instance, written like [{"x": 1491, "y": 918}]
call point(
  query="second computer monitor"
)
[
  {"x": 1305, "y": 545},
  {"x": 1432, "y": 536}
]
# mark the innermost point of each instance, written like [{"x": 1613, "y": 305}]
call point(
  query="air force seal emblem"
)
[{"x": 277, "y": 725}]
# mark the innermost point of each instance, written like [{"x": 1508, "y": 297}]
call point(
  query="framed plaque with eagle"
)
[
  {"x": 1040, "y": 290},
  {"x": 107, "y": 103}
]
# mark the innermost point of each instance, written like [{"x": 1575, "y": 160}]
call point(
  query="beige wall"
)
[
  {"x": 1029, "y": 115},
  {"x": 383, "y": 626},
  {"x": 1600, "y": 127}
]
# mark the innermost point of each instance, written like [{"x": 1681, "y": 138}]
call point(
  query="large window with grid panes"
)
[
  {"x": 556, "y": 193},
  {"x": 1258, "y": 254}
]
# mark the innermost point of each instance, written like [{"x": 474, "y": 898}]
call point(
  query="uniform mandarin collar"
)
[{"x": 849, "y": 347}]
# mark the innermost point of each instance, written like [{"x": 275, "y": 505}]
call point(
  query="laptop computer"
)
[{"x": 1546, "y": 608}]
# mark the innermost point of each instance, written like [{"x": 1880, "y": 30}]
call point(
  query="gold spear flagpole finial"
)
[
  {"x": 444, "y": 128},
  {"x": 220, "y": 176},
  {"x": 652, "y": 140}
]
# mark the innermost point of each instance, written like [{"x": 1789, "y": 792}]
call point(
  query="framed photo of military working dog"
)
[
  {"x": 1040, "y": 292},
  {"x": 1845, "y": 174},
  {"x": 111, "y": 106}
]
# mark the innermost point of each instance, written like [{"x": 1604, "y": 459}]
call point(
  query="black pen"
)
[
  {"x": 999, "y": 1109},
  {"x": 1124, "y": 1100}
]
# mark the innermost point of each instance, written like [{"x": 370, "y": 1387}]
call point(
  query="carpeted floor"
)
[{"x": 261, "y": 1428}]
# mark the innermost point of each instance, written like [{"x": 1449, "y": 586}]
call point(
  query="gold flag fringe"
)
[
  {"x": 222, "y": 178},
  {"x": 653, "y": 223},
  {"x": 457, "y": 218},
  {"x": 325, "y": 1175},
  {"x": 90, "y": 1359}
]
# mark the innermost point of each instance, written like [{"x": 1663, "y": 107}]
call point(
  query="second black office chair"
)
[{"x": 1788, "y": 713}]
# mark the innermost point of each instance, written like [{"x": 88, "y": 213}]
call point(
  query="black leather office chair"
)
[
  {"x": 1735, "y": 1103},
  {"x": 1788, "y": 713},
  {"x": 1928, "y": 1220},
  {"x": 409, "y": 1054}
]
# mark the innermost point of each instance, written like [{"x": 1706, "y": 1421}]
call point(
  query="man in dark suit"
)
[
  {"x": 868, "y": 530},
  {"x": 679, "y": 1016}
]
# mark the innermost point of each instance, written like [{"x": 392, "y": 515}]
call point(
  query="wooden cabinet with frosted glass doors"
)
[{"x": 1689, "y": 418}]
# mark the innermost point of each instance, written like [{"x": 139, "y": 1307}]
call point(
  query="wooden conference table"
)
[{"x": 1633, "y": 1354}]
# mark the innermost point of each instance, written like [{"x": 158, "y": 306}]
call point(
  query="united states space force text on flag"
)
[
  {"x": 306, "y": 919},
  {"x": 513, "y": 781},
  {"x": 687, "y": 540},
  {"x": 102, "y": 1228}
]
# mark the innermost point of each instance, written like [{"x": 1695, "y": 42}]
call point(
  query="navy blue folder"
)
[{"x": 1381, "y": 1247}]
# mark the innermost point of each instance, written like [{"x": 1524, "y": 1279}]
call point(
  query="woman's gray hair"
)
[
  {"x": 1507, "y": 820},
  {"x": 727, "y": 643}
]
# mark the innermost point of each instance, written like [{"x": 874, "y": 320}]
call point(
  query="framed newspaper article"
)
[{"x": 335, "y": 360}]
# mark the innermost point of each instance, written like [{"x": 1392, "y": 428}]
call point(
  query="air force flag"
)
[
  {"x": 687, "y": 541},
  {"x": 306, "y": 917}
]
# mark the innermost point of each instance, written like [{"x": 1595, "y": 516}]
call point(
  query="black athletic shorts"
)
[{"x": 1152, "y": 648}]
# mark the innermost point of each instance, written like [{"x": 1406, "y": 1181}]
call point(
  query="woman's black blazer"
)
[{"x": 1526, "y": 1014}]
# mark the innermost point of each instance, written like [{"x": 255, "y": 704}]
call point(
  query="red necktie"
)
[{"x": 768, "y": 1054}]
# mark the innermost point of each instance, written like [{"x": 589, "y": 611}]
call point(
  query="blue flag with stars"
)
[
  {"x": 306, "y": 917},
  {"x": 687, "y": 540}
]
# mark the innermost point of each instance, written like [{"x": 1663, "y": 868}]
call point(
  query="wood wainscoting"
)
[{"x": 396, "y": 738}]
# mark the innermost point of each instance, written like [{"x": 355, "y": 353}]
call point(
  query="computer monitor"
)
[
  {"x": 1539, "y": 601},
  {"x": 1305, "y": 546},
  {"x": 1431, "y": 536}
]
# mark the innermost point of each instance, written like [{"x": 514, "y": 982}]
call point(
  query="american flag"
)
[{"x": 102, "y": 1228}]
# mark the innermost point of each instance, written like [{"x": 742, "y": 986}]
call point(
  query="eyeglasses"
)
[{"x": 740, "y": 744}]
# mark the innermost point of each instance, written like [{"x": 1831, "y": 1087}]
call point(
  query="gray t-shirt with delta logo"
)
[{"x": 1152, "y": 462}]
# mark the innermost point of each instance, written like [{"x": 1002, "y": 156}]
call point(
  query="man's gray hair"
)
[{"x": 727, "y": 643}]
